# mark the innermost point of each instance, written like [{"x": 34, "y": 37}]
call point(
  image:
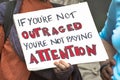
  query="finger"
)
[
  {"x": 105, "y": 74},
  {"x": 103, "y": 78},
  {"x": 56, "y": 63},
  {"x": 59, "y": 65},
  {"x": 109, "y": 71},
  {"x": 67, "y": 65}
]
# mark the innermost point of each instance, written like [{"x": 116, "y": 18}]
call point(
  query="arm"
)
[
  {"x": 1, "y": 38},
  {"x": 106, "y": 66},
  {"x": 109, "y": 49}
]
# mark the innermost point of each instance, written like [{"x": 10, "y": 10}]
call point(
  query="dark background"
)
[{"x": 99, "y": 10}]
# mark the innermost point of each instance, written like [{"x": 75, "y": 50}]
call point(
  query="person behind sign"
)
[
  {"x": 13, "y": 67},
  {"x": 110, "y": 34},
  {"x": 66, "y": 2}
]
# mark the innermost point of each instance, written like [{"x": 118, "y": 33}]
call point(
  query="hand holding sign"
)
[{"x": 61, "y": 65}]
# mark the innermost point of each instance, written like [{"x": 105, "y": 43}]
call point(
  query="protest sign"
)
[{"x": 66, "y": 33}]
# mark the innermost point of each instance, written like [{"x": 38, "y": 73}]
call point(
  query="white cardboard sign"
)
[{"x": 67, "y": 33}]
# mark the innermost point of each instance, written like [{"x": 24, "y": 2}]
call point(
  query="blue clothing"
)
[{"x": 111, "y": 33}]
